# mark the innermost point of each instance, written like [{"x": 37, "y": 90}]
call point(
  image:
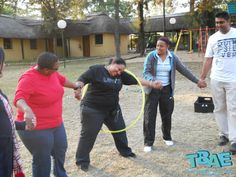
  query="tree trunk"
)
[
  {"x": 141, "y": 43},
  {"x": 164, "y": 17},
  {"x": 192, "y": 2},
  {"x": 117, "y": 33},
  {"x": 55, "y": 45}
]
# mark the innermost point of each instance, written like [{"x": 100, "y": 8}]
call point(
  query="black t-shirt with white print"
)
[{"x": 103, "y": 89}]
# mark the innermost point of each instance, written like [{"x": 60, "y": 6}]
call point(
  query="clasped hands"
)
[
  {"x": 78, "y": 94},
  {"x": 202, "y": 83},
  {"x": 156, "y": 84}
]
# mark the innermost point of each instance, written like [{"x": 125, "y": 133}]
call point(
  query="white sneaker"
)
[
  {"x": 147, "y": 148},
  {"x": 169, "y": 142}
]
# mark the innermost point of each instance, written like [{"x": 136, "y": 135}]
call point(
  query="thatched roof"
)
[
  {"x": 155, "y": 24},
  {"x": 94, "y": 24},
  {"x": 102, "y": 23},
  {"x": 15, "y": 27},
  {"x": 76, "y": 28}
]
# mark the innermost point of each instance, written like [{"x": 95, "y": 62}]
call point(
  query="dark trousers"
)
[
  {"x": 43, "y": 144},
  {"x": 166, "y": 106},
  {"x": 92, "y": 121},
  {"x": 6, "y": 156}
]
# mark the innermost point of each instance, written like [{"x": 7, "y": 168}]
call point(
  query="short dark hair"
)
[
  {"x": 165, "y": 39},
  {"x": 223, "y": 14},
  {"x": 119, "y": 61},
  {"x": 46, "y": 60}
]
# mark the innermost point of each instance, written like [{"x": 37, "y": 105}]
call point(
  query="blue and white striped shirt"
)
[{"x": 163, "y": 71}]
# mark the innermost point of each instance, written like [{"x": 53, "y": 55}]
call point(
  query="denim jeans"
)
[
  {"x": 42, "y": 144},
  {"x": 6, "y": 156}
]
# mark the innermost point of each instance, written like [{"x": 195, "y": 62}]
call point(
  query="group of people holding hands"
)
[{"x": 39, "y": 121}]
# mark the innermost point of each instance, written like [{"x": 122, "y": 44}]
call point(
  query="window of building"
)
[
  {"x": 33, "y": 44},
  {"x": 98, "y": 39},
  {"x": 59, "y": 42},
  {"x": 7, "y": 43}
]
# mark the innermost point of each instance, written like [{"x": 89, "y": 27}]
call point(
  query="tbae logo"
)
[{"x": 204, "y": 158}]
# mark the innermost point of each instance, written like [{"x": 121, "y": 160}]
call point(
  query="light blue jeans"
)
[{"x": 42, "y": 144}]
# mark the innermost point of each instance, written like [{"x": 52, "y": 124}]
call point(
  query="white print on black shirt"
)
[{"x": 111, "y": 80}]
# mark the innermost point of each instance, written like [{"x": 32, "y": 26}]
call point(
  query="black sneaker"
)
[
  {"x": 233, "y": 148},
  {"x": 133, "y": 155},
  {"x": 84, "y": 167},
  {"x": 223, "y": 141}
]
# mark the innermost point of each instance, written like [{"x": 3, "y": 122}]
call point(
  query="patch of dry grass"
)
[{"x": 191, "y": 131}]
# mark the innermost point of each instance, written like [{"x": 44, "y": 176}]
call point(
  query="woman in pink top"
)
[{"x": 38, "y": 98}]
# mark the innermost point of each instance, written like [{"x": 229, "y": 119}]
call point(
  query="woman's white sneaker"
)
[
  {"x": 169, "y": 142},
  {"x": 147, "y": 148}
]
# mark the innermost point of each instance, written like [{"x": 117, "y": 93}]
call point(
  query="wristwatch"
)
[{"x": 79, "y": 86}]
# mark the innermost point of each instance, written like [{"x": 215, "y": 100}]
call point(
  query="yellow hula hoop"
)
[{"x": 138, "y": 116}]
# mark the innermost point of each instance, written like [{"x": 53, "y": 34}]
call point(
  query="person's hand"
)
[
  {"x": 78, "y": 94},
  {"x": 156, "y": 84},
  {"x": 202, "y": 83},
  {"x": 30, "y": 119}
]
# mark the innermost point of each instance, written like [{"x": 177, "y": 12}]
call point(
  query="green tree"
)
[
  {"x": 202, "y": 12},
  {"x": 169, "y": 5},
  {"x": 8, "y": 7},
  {"x": 54, "y": 10},
  {"x": 143, "y": 5},
  {"x": 51, "y": 12},
  {"x": 108, "y": 7}
]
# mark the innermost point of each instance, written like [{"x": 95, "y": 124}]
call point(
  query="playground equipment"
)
[{"x": 201, "y": 36}]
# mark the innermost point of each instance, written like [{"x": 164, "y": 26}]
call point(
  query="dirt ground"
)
[{"x": 191, "y": 132}]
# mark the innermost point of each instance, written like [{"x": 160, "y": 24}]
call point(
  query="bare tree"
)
[
  {"x": 191, "y": 3},
  {"x": 117, "y": 33},
  {"x": 141, "y": 41}
]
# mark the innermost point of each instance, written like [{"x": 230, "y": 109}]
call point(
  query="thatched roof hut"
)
[
  {"x": 155, "y": 24},
  {"x": 94, "y": 24},
  {"x": 76, "y": 28},
  {"x": 102, "y": 23},
  {"x": 22, "y": 28},
  {"x": 16, "y": 27}
]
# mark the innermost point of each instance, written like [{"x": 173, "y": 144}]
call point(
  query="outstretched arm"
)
[
  {"x": 153, "y": 84},
  {"x": 70, "y": 84},
  {"x": 130, "y": 80},
  {"x": 188, "y": 74}
]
